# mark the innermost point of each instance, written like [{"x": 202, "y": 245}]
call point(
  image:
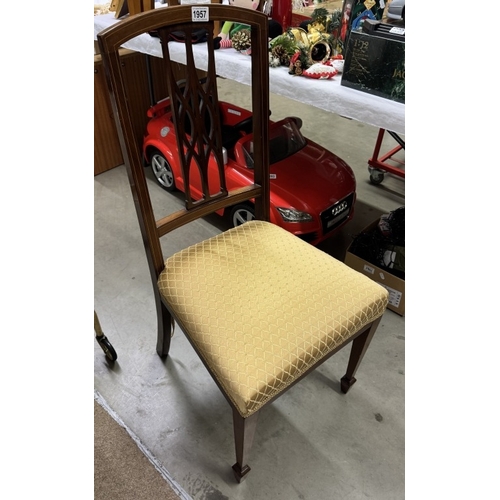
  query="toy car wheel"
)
[
  {"x": 376, "y": 176},
  {"x": 241, "y": 214},
  {"x": 162, "y": 171}
]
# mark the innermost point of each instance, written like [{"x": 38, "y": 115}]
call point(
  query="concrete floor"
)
[{"x": 313, "y": 443}]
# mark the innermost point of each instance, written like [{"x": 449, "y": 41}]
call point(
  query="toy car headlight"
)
[{"x": 292, "y": 215}]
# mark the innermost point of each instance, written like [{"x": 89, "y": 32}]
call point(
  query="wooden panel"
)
[
  {"x": 107, "y": 151},
  {"x": 138, "y": 6},
  {"x": 131, "y": 7}
]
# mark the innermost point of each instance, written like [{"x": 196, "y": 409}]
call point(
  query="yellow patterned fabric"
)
[{"x": 262, "y": 306}]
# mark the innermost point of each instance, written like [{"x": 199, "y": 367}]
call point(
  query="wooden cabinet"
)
[
  {"x": 107, "y": 151},
  {"x": 145, "y": 79}
]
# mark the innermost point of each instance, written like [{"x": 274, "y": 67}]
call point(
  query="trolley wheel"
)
[
  {"x": 376, "y": 176},
  {"x": 107, "y": 347}
]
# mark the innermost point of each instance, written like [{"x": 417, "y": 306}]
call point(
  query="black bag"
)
[{"x": 198, "y": 36}]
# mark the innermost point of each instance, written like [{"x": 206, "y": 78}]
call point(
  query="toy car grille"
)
[{"x": 333, "y": 216}]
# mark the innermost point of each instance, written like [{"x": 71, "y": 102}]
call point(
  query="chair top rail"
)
[{"x": 113, "y": 37}]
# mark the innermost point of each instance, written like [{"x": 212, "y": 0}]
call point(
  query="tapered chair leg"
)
[
  {"x": 165, "y": 329},
  {"x": 244, "y": 431},
  {"x": 359, "y": 346}
]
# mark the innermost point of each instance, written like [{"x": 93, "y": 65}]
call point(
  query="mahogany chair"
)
[{"x": 260, "y": 307}]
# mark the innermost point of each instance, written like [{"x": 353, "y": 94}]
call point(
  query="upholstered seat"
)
[{"x": 281, "y": 306}]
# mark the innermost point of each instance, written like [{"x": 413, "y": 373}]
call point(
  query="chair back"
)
[{"x": 195, "y": 103}]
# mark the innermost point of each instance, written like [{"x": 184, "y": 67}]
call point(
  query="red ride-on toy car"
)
[{"x": 312, "y": 190}]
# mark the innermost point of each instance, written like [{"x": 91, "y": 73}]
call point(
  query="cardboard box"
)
[{"x": 394, "y": 285}]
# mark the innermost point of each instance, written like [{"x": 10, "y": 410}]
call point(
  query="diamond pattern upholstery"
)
[{"x": 261, "y": 306}]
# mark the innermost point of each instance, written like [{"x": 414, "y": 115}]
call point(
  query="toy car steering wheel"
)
[{"x": 245, "y": 125}]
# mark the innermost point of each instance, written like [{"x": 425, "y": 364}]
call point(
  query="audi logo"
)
[{"x": 339, "y": 208}]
